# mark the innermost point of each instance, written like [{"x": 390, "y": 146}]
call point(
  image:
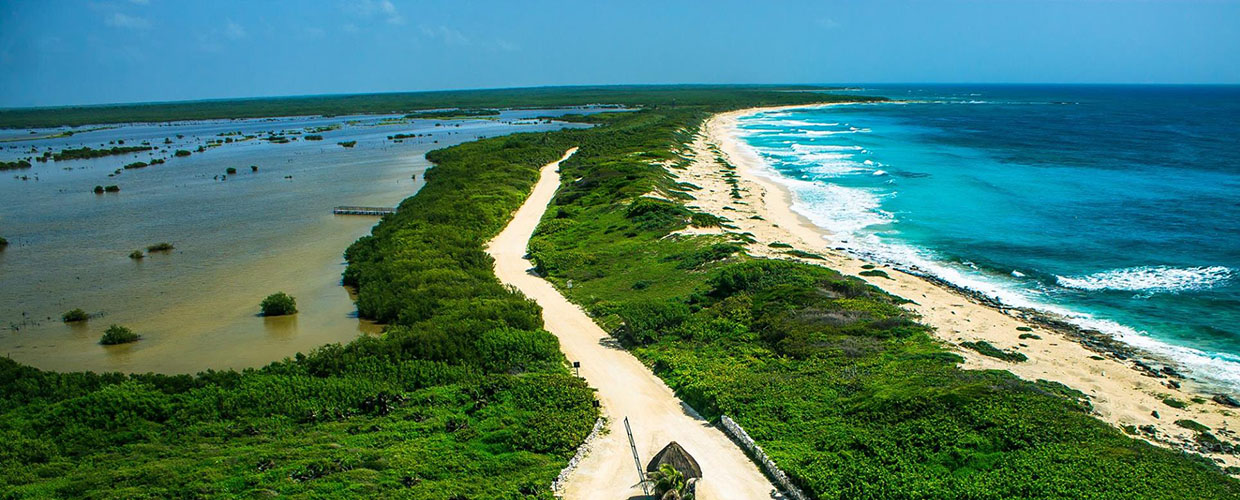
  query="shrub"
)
[
  {"x": 701, "y": 219},
  {"x": 1192, "y": 425},
  {"x": 347, "y": 144},
  {"x": 804, "y": 255},
  {"x": 74, "y": 316},
  {"x": 136, "y": 254},
  {"x": 1024, "y": 336},
  {"x": 230, "y": 171},
  {"x": 112, "y": 189},
  {"x": 117, "y": 334},
  {"x": 182, "y": 152},
  {"x": 783, "y": 245},
  {"x": 986, "y": 349},
  {"x": 3, "y": 243},
  {"x": 98, "y": 189},
  {"x": 645, "y": 321},
  {"x": 160, "y": 247},
  {"x": 1174, "y": 403},
  {"x": 279, "y": 304},
  {"x": 875, "y": 273}
]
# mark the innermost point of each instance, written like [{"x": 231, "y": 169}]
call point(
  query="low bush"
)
[
  {"x": 117, "y": 334},
  {"x": 985, "y": 348},
  {"x": 279, "y": 304},
  {"x": 75, "y": 315},
  {"x": 161, "y": 247}
]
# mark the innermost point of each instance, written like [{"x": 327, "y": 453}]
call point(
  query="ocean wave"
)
[
  {"x": 814, "y": 148},
  {"x": 1149, "y": 279},
  {"x": 791, "y": 123}
]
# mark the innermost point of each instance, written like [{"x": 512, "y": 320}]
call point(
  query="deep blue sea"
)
[{"x": 1116, "y": 206}]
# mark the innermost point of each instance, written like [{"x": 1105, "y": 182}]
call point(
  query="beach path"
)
[{"x": 625, "y": 387}]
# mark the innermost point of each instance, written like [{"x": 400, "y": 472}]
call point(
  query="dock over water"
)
[{"x": 350, "y": 210}]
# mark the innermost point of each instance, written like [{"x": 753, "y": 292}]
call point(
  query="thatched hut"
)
[{"x": 675, "y": 455}]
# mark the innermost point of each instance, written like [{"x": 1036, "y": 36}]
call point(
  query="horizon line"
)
[{"x": 840, "y": 86}]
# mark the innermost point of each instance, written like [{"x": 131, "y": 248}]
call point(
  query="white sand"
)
[
  {"x": 625, "y": 387},
  {"x": 1120, "y": 394}
]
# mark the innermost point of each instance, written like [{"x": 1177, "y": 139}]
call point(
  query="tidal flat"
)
[{"x": 239, "y": 235}]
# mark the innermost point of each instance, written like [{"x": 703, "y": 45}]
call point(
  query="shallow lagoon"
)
[{"x": 238, "y": 237}]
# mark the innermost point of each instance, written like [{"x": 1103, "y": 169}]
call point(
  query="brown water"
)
[{"x": 237, "y": 240}]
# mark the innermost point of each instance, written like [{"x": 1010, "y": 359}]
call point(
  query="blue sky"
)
[{"x": 57, "y": 52}]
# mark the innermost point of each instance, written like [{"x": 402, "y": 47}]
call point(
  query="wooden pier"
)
[{"x": 346, "y": 210}]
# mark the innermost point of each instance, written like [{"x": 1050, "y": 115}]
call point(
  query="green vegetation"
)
[
  {"x": 279, "y": 304},
  {"x": 454, "y": 113},
  {"x": 779, "y": 245},
  {"x": 74, "y": 316},
  {"x": 1024, "y": 336},
  {"x": 1024, "y": 329},
  {"x": 3, "y": 243},
  {"x": 136, "y": 255},
  {"x": 877, "y": 273},
  {"x": 161, "y": 247},
  {"x": 669, "y": 483},
  {"x": 314, "y": 137},
  {"x": 86, "y": 152},
  {"x": 136, "y": 164},
  {"x": 541, "y": 97},
  {"x": 1192, "y": 425},
  {"x": 230, "y": 170},
  {"x": 110, "y": 189},
  {"x": 986, "y": 349},
  {"x": 1174, "y": 403},
  {"x": 14, "y": 165},
  {"x": 803, "y": 254},
  {"x": 181, "y": 153},
  {"x": 347, "y": 144},
  {"x": 117, "y": 334}
]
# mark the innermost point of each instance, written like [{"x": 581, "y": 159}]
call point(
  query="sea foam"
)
[{"x": 1149, "y": 279}]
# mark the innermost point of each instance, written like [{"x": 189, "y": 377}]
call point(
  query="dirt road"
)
[{"x": 625, "y": 387}]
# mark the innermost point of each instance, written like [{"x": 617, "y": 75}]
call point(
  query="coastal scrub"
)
[
  {"x": 279, "y": 304},
  {"x": 74, "y": 316},
  {"x": 117, "y": 334}
]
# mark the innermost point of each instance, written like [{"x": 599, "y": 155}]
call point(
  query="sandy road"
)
[{"x": 625, "y": 387}]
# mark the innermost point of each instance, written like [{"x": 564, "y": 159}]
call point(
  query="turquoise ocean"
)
[{"x": 1117, "y": 207}]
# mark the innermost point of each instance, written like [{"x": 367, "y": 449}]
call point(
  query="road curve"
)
[{"x": 625, "y": 387}]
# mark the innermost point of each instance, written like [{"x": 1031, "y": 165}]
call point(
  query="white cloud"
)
[
  {"x": 383, "y": 9},
  {"x": 445, "y": 34},
  {"x": 234, "y": 31},
  {"x": 118, "y": 20},
  {"x": 507, "y": 46}
]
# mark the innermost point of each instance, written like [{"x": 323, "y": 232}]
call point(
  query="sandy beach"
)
[{"x": 1121, "y": 393}]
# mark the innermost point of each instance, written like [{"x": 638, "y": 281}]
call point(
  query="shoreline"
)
[{"x": 1128, "y": 396}]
